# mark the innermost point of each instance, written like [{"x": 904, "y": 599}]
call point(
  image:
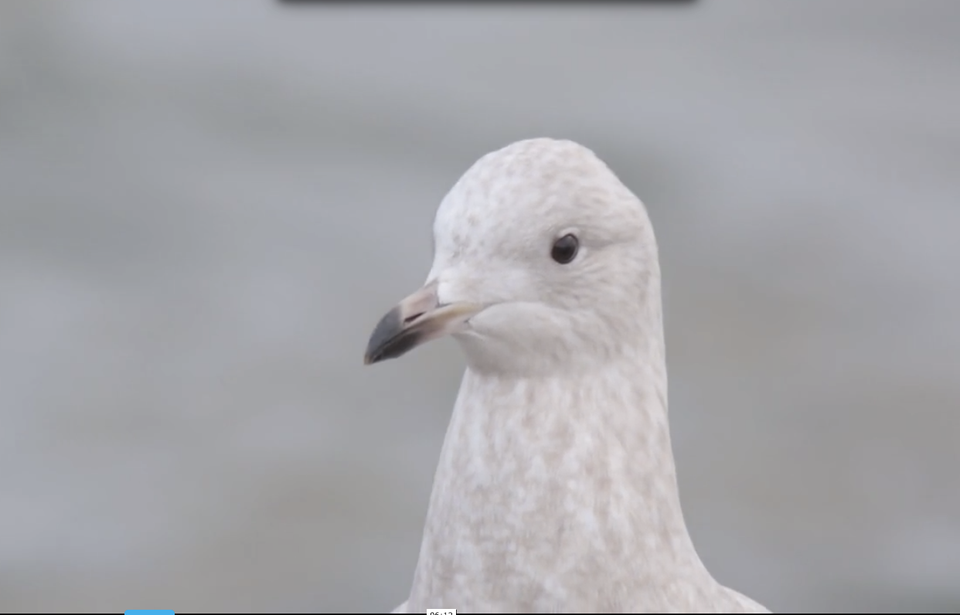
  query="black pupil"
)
[{"x": 565, "y": 249}]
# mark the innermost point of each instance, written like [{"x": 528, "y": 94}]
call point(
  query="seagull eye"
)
[{"x": 565, "y": 249}]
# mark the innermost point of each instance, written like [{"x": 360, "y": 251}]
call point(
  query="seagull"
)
[{"x": 556, "y": 488}]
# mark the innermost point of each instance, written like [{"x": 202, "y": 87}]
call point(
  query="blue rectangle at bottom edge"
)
[{"x": 148, "y": 612}]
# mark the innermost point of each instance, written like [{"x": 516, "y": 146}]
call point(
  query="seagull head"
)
[{"x": 543, "y": 262}]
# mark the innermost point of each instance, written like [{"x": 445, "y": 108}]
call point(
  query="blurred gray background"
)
[{"x": 206, "y": 206}]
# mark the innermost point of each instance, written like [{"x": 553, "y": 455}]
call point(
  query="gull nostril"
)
[{"x": 412, "y": 317}]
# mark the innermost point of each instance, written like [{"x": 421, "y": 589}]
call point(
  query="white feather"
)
[{"x": 556, "y": 489}]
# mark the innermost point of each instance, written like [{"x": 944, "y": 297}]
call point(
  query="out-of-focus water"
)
[{"x": 205, "y": 207}]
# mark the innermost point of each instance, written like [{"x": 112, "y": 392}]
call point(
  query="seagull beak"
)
[{"x": 417, "y": 319}]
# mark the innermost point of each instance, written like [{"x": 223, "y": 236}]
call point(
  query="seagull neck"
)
[{"x": 539, "y": 473}]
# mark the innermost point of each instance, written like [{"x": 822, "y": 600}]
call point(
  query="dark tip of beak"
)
[{"x": 390, "y": 338}]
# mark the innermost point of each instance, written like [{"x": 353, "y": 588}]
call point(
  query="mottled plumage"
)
[{"x": 556, "y": 489}]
